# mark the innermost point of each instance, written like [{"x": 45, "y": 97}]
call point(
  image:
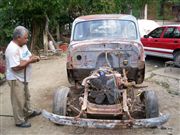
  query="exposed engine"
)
[{"x": 106, "y": 88}]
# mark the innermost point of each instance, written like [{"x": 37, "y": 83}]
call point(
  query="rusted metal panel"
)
[
  {"x": 109, "y": 124},
  {"x": 104, "y": 109}
]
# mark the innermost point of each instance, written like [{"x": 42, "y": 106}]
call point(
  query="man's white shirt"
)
[{"x": 14, "y": 54}]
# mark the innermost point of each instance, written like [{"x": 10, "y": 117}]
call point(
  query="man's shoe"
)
[
  {"x": 34, "y": 113},
  {"x": 24, "y": 125}
]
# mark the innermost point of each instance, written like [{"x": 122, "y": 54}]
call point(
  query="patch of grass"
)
[
  {"x": 149, "y": 77},
  {"x": 173, "y": 92},
  {"x": 163, "y": 84},
  {"x": 167, "y": 87}
]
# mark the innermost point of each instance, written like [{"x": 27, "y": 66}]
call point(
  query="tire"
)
[
  {"x": 177, "y": 58},
  {"x": 69, "y": 76},
  {"x": 140, "y": 76},
  {"x": 60, "y": 101},
  {"x": 151, "y": 104}
]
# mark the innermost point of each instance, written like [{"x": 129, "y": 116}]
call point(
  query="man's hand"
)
[
  {"x": 34, "y": 59},
  {"x": 24, "y": 63}
]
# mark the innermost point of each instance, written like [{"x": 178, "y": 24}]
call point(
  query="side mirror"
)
[{"x": 146, "y": 36}]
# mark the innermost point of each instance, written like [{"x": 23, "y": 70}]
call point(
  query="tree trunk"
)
[
  {"x": 58, "y": 32},
  {"x": 178, "y": 15},
  {"x": 37, "y": 37},
  {"x": 45, "y": 37},
  {"x": 47, "y": 29},
  {"x": 45, "y": 41}
]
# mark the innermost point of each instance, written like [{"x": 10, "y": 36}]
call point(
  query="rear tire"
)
[
  {"x": 69, "y": 76},
  {"x": 177, "y": 58},
  {"x": 60, "y": 101},
  {"x": 140, "y": 76},
  {"x": 151, "y": 104}
]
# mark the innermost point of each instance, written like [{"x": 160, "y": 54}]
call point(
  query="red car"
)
[{"x": 164, "y": 42}]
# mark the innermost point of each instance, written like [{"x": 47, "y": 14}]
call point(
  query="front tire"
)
[
  {"x": 60, "y": 101},
  {"x": 151, "y": 103},
  {"x": 177, "y": 58}
]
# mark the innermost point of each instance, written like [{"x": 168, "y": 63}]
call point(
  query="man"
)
[{"x": 18, "y": 70}]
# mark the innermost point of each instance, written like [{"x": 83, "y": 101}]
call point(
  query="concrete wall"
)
[{"x": 164, "y": 22}]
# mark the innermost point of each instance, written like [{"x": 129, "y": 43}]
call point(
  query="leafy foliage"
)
[
  {"x": 26, "y": 13},
  {"x": 32, "y": 14}
]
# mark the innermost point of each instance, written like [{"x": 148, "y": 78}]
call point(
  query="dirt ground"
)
[{"x": 51, "y": 73}]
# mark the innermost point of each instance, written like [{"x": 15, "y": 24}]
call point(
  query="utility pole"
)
[{"x": 145, "y": 11}]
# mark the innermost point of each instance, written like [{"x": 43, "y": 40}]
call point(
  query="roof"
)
[
  {"x": 105, "y": 16},
  {"x": 175, "y": 25}
]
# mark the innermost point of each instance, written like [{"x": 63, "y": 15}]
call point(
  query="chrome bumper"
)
[{"x": 109, "y": 124}]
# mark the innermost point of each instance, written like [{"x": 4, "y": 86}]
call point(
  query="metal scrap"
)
[{"x": 108, "y": 124}]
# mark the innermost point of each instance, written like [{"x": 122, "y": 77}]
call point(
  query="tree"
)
[
  {"x": 176, "y": 9},
  {"x": 31, "y": 14},
  {"x": 43, "y": 17}
]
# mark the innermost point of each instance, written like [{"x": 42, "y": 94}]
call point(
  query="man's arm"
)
[{"x": 24, "y": 63}]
